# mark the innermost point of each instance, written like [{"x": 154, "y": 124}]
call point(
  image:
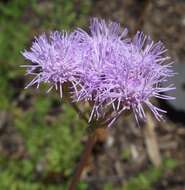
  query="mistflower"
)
[
  {"x": 106, "y": 68},
  {"x": 122, "y": 73},
  {"x": 55, "y": 59},
  {"x": 103, "y": 46}
]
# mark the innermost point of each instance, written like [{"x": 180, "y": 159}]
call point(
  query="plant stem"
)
[
  {"x": 85, "y": 156},
  {"x": 79, "y": 112},
  {"x": 74, "y": 105}
]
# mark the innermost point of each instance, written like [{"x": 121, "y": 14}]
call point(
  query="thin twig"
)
[
  {"x": 79, "y": 112},
  {"x": 73, "y": 104},
  {"x": 151, "y": 142}
]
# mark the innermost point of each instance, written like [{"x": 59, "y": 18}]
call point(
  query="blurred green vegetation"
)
[{"x": 49, "y": 130}]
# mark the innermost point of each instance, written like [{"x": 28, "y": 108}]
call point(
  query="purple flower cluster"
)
[
  {"x": 103, "y": 67},
  {"x": 55, "y": 60}
]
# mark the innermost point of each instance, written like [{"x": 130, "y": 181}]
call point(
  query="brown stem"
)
[
  {"x": 85, "y": 156},
  {"x": 79, "y": 112},
  {"x": 73, "y": 104}
]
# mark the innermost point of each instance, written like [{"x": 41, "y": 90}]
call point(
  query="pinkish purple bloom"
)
[
  {"x": 55, "y": 59},
  {"x": 105, "y": 67}
]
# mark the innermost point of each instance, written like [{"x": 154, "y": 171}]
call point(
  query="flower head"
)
[
  {"x": 105, "y": 67},
  {"x": 122, "y": 73},
  {"x": 55, "y": 59},
  {"x": 102, "y": 48}
]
